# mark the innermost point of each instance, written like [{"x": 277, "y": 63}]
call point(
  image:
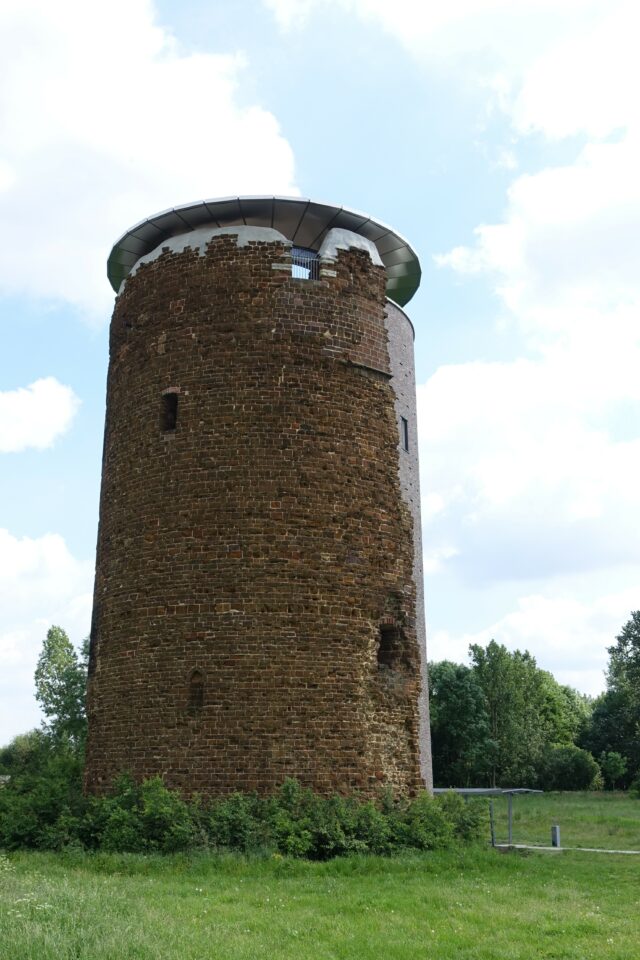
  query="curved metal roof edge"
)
[{"x": 401, "y": 283}]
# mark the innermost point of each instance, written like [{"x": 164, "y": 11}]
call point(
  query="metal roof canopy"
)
[
  {"x": 304, "y": 222},
  {"x": 485, "y": 791}
]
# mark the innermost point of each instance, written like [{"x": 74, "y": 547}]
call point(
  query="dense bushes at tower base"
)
[{"x": 292, "y": 822}]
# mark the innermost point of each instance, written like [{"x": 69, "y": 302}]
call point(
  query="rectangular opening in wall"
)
[
  {"x": 195, "y": 695},
  {"x": 305, "y": 264},
  {"x": 388, "y": 645},
  {"x": 404, "y": 433},
  {"x": 169, "y": 412}
]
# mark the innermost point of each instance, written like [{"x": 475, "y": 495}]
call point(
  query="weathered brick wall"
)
[
  {"x": 401, "y": 336},
  {"x": 261, "y": 543}
]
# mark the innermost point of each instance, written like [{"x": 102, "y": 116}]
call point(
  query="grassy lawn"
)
[{"x": 473, "y": 904}]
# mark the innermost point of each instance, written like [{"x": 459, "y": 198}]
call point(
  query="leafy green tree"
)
[
  {"x": 613, "y": 766},
  {"x": 462, "y": 748},
  {"x": 615, "y": 722},
  {"x": 516, "y": 693},
  {"x": 564, "y": 712},
  {"x": 61, "y": 680},
  {"x": 20, "y": 754},
  {"x": 624, "y": 661},
  {"x": 578, "y": 708},
  {"x": 611, "y": 729}
]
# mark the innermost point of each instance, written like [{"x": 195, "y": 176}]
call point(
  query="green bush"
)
[
  {"x": 307, "y": 825},
  {"x": 113, "y": 822},
  {"x": 168, "y": 823},
  {"x": 42, "y": 806},
  {"x": 374, "y": 829},
  {"x": 468, "y": 817},
  {"x": 569, "y": 768},
  {"x": 136, "y": 818},
  {"x": 235, "y": 823},
  {"x": 426, "y": 826}
]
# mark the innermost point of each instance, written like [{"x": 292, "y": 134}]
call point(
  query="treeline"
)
[{"x": 502, "y": 721}]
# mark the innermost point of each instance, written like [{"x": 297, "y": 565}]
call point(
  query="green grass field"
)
[{"x": 473, "y": 904}]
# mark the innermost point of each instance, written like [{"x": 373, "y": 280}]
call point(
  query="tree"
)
[
  {"x": 612, "y": 729},
  {"x": 516, "y": 695},
  {"x": 61, "y": 680},
  {"x": 462, "y": 750},
  {"x": 615, "y": 722},
  {"x": 613, "y": 766},
  {"x": 564, "y": 712},
  {"x": 624, "y": 661},
  {"x": 20, "y": 754}
]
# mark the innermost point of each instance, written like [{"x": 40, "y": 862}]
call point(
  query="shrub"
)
[
  {"x": 167, "y": 821},
  {"x": 374, "y": 829},
  {"x": 426, "y": 825},
  {"x": 568, "y": 768},
  {"x": 42, "y": 805},
  {"x": 136, "y": 818},
  {"x": 113, "y": 822},
  {"x": 235, "y": 823},
  {"x": 307, "y": 825},
  {"x": 468, "y": 817}
]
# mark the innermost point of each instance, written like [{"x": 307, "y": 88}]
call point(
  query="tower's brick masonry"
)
[{"x": 252, "y": 560}]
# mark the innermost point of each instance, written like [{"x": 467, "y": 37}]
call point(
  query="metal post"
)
[
  {"x": 492, "y": 824},
  {"x": 510, "y": 819},
  {"x": 555, "y": 835}
]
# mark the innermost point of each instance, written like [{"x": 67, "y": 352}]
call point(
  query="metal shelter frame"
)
[{"x": 509, "y": 792}]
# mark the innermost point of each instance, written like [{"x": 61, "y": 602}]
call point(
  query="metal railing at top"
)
[{"x": 305, "y": 264}]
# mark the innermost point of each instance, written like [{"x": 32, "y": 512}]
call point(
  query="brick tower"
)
[{"x": 258, "y": 608}]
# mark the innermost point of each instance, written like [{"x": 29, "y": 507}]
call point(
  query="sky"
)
[{"x": 501, "y": 138}]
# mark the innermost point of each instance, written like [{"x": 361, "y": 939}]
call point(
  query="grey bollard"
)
[{"x": 555, "y": 835}]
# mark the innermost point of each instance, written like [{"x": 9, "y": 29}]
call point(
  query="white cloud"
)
[
  {"x": 562, "y": 67},
  {"x": 539, "y": 457},
  {"x": 104, "y": 121},
  {"x": 434, "y": 558},
  {"x": 35, "y": 416},
  {"x": 531, "y": 481},
  {"x": 41, "y": 583},
  {"x": 565, "y": 256},
  {"x": 542, "y": 454},
  {"x": 567, "y": 636},
  {"x": 494, "y": 39},
  {"x": 586, "y": 81}
]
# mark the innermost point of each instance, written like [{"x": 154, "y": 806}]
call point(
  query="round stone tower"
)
[{"x": 258, "y": 609}]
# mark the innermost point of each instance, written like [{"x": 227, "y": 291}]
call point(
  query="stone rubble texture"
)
[{"x": 253, "y": 553}]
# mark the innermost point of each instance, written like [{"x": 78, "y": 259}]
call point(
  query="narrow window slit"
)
[
  {"x": 196, "y": 693},
  {"x": 404, "y": 432},
  {"x": 169, "y": 412}
]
